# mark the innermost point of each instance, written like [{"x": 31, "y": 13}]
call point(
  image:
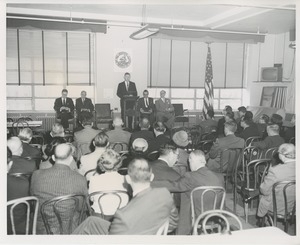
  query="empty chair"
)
[
  {"x": 61, "y": 215},
  {"x": 103, "y": 114},
  {"x": 287, "y": 215},
  {"x": 208, "y": 198},
  {"x": 163, "y": 230},
  {"x": 220, "y": 220},
  {"x": 179, "y": 114},
  {"x": 22, "y": 214}
]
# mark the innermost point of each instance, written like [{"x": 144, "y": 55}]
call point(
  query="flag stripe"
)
[{"x": 208, "y": 100}]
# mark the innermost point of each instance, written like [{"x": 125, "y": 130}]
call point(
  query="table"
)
[{"x": 31, "y": 124}]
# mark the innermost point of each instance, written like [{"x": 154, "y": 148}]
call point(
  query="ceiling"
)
[{"x": 247, "y": 18}]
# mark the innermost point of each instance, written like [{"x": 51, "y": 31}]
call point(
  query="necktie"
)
[
  {"x": 64, "y": 101},
  {"x": 127, "y": 86},
  {"x": 146, "y": 102},
  {"x": 82, "y": 101}
]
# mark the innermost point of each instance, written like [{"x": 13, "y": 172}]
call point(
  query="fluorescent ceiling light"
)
[{"x": 144, "y": 32}]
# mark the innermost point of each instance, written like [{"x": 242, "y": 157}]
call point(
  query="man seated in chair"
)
[
  {"x": 249, "y": 129},
  {"x": 165, "y": 110},
  {"x": 118, "y": 134},
  {"x": 25, "y": 135},
  {"x": 145, "y": 107},
  {"x": 227, "y": 142},
  {"x": 200, "y": 175},
  {"x": 64, "y": 108},
  {"x": 280, "y": 172},
  {"x": 143, "y": 215},
  {"x": 84, "y": 107},
  {"x": 210, "y": 124},
  {"x": 20, "y": 164},
  {"x": 57, "y": 181}
]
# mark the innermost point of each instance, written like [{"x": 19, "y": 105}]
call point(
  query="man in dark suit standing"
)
[
  {"x": 64, "y": 108},
  {"x": 126, "y": 89},
  {"x": 146, "y": 107},
  {"x": 84, "y": 107}
]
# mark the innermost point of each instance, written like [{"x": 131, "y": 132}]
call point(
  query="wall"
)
[
  {"x": 107, "y": 77},
  {"x": 274, "y": 50}
]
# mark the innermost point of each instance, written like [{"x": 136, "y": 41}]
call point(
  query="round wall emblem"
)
[{"x": 123, "y": 59}]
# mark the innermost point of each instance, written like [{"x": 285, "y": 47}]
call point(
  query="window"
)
[
  {"x": 41, "y": 63},
  {"x": 179, "y": 68}
]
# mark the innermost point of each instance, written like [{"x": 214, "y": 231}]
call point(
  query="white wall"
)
[
  {"x": 274, "y": 50},
  {"x": 107, "y": 77}
]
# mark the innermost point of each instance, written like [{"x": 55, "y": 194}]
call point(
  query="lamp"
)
[{"x": 144, "y": 32}]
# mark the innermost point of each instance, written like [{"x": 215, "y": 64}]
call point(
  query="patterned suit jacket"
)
[
  {"x": 163, "y": 106},
  {"x": 57, "y": 181}
]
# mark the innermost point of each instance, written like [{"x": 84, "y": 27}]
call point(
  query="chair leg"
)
[
  {"x": 246, "y": 211},
  {"x": 234, "y": 200}
]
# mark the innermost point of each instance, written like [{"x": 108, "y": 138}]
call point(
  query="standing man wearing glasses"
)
[
  {"x": 64, "y": 108},
  {"x": 126, "y": 89},
  {"x": 146, "y": 107}
]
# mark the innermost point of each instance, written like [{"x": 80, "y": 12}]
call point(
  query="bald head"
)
[
  {"x": 118, "y": 122},
  {"x": 63, "y": 154},
  {"x": 197, "y": 160},
  {"x": 15, "y": 145}
]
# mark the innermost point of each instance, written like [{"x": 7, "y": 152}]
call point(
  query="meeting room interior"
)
[{"x": 172, "y": 118}]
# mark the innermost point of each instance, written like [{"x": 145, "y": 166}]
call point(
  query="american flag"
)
[{"x": 208, "y": 100}]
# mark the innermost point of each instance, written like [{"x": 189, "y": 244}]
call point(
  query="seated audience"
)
[
  {"x": 143, "y": 133},
  {"x": 249, "y": 129},
  {"x": 229, "y": 141},
  {"x": 280, "y": 172},
  {"x": 89, "y": 161},
  {"x": 49, "y": 152},
  {"x": 56, "y": 131},
  {"x": 289, "y": 132},
  {"x": 57, "y": 181},
  {"x": 210, "y": 124},
  {"x": 20, "y": 164},
  {"x": 262, "y": 125},
  {"x": 17, "y": 187},
  {"x": 276, "y": 119},
  {"x": 200, "y": 175},
  {"x": 221, "y": 121},
  {"x": 83, "y": 138},
  {"x": 181, "y": 140},
  {"x": 109, "y": 163},
  {"x": 160, "y": 137},
  {"x": 118, "y": 134},
  {"x": 144, "y": 214},
  {"x": 272, "y": 140},
  {"x": 165, "y": 110},
  {"x": 162, "y": 168},
  {"x": 25, "y": 135}
]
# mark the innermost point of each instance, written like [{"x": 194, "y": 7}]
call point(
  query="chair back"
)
[
  {"x": 252, "y": 139},
  {"x": 251, "y": 153},
  {"x": 228, "y": 159},
  {"x": 269, "y": 154},
  {"x": 28, "y": 205},
  {"x": 216, "y": 219},
  {"x": 287, "y": 188},
  {"x": 163, "y": 230},
  {"x": 61, "y": 215},
  {"x": 18, "y": 125},
  {"x": 119, "y": 146},
  {"x": 178, "y": 109},
  {"x": 214, "y": 195},
  {"x": 103, "y": 111},
  {"x": 109, "y": 201}
]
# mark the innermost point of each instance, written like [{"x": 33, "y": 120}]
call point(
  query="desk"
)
[{"x": 31, "y": 124}]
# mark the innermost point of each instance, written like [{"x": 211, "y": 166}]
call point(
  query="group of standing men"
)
[{"x": 64, "y": 105}]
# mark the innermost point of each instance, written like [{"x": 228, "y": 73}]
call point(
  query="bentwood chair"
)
[
  {"x": 252, "y": 139},
  {"x": 287, "y": 216},
  {"x": 163, "y": 230},
  {"x": 216, "y": 220},
  {"x": 28, "y": 207},
  {"x": 61, "y": 215}
]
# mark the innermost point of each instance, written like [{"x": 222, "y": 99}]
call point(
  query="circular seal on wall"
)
[{"x": 123, "y": 59}]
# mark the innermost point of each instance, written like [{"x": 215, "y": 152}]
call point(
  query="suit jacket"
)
[
  {"x": 84, "y": 138},
  {"x": 58, "y": 104},
  {"x": 122, "y": 91},
  {"x": 208, "y": 125},
  {"x": 190, "y": 180},
  {"x": 30, "y": 151},
  {"x": 158, "y": 142},
  {"x": 57, "y": 181},
  {"x": 250, "y": 131},
  {"x": 163, "y": 106},
  {"x": 220, "y": 129},
  {"x": 118, "y": 135},
  {"x": 230, "y": 141},
  {"x": 145, "y": 134},
  {"x": 142, "y": 105},
  {"x": 22, "y": 165},
  {"x": 145, "y": 213},
  {"x": 269, "y": 142},
  {"x": 277, "y": 173},
  {"x": 162, "y": 171},
  {"x": 88, "y": 104}
]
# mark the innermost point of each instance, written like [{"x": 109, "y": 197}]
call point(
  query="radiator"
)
[{"x": 48, "y": 121}]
